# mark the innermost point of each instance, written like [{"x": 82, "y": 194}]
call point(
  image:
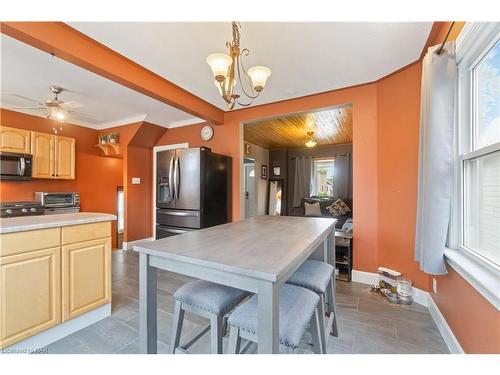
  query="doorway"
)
[
  {"x": 249, "y": 188},
  {"x": 120, "y": 214}
]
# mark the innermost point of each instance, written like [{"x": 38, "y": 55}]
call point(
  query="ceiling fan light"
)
[
  {"x": 219, "y": 63},
  {"x": 58, "y": 115},
  {"x": 259, "y": 76}
]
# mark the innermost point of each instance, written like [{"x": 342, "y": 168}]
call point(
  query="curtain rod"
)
[
  {"x": 309, "y": 156},
  {"x": 441, "y": 49}
]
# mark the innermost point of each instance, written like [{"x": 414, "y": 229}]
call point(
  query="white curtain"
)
[
  {"x": 302, "y": 179},
  {"x": 435, "y": 170}
]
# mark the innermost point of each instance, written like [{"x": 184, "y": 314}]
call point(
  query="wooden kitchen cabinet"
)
[
  {"x": 53, "y": 156},
  {"x": 86, "y": 276},
  {"x": 65, "y": 157},
  {"x": 14, "y": 140},
  {"x": 30, "y": 294},
  {"x": 42, "y": 147}
]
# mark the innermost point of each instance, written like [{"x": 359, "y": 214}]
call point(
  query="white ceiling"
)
[
  {"x": 28, "y": 72},
  {"x": 305, "y": 58}
]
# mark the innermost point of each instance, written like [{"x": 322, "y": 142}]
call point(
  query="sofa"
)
[{"x": 323, "y": 204}]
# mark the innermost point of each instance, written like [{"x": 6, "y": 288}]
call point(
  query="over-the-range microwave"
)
[{"x": 15, "y": 166}]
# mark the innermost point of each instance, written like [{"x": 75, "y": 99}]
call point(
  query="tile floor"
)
[{"x": 366, "y": 323}]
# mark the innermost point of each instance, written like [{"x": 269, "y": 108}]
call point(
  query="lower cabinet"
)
[
  {"x": 86, "y": 276},
  {"x": 30, "y": 294},
  {"x": 49, "y": 276}
]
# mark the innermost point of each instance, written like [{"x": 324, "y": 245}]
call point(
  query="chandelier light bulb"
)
[
  {"x": 259, "y": 76},
  {"x": 219, "y": 63}
]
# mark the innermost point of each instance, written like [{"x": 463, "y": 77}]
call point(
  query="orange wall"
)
[
  {"x": 474, "y": 321},
  {"x": 96, "y": 177},
  {"x": 137, "y": 141},
  {"x": 398, "y": 141}
]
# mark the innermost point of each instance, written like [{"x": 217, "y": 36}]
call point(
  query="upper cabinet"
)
[
  {"x": 53, "y": 156},
  {"x": 14, "y": 140},
  {"x": 42, "y": 147},
  {"x": 65, "y": 157}
]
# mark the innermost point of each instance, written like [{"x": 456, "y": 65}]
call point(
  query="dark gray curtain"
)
[
  {"x": 302, "y": 180},
  {"x": 342, "y": 177}
]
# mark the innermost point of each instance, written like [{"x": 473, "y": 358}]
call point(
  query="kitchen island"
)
[
  {"x": 55, "y": 277},
  {"x": 257, "y": 255}
]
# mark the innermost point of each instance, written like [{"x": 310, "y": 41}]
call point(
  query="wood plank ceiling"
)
[{"x": 332, "y": 126}]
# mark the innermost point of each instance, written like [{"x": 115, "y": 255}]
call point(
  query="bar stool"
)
[
  {"x": 298, "y": 310},
  {"x": 319, "y": 277},
  {"x": 209, "y": 300}
]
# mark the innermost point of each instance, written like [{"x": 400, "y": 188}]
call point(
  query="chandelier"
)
[
  {"x": 229, "y": 69},
  {"x": 310, "y": 140}
]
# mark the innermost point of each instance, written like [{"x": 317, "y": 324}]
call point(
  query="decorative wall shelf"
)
[{"x": 109, "y": 149}]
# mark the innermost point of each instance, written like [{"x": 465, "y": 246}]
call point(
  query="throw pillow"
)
[
  {"x": 312, "y": 209},
  {"x": 338, "y": 208}
]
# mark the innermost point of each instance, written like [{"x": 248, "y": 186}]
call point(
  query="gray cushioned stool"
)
[
  {"x": 207, "y": 299},
  {"x": 319, "y": 277},
  {"x": 298, "y": 310}
]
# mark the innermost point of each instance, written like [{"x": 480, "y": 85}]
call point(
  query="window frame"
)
[
  {"x": 322, "y": 159},
  {"x": 473, "y": 43}
]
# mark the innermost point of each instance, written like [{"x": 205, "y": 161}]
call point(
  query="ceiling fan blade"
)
[
  {"x": 40, "y": 108},
  {"x": 23, "y": 97},
  {"x": 71, "y": 104}
]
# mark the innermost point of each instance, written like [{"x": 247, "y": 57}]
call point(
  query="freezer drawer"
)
[
  {"x": 164, "y": 231},
  {"x": 178, "y": 218}
]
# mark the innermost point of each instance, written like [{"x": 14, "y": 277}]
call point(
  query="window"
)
[
  {"x": 323, "y": 177},
  {"x": 477, "y": 205}
]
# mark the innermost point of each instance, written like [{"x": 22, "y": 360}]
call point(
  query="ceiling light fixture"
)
[
  {"x": 310, "y": 140},
  {"x": 229, "y": 69}
]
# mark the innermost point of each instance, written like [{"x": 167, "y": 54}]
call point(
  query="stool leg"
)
[
  {"x": 233, "y": 346},
  {"x": 316, "y": 333},
  {"x": 322, "y": 323},
  {"x": 224, "y": 326},
  {"x": 331, "y": 306},
  {"x": 176, "y": 326},
  {"x": 216, "y": 333}
]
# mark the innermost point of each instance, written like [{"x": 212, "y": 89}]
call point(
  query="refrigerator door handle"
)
[
  {"x": 177, "y": 177},
  {"x": 170, "y": 189},
  {"x": 177, "y": 213}
]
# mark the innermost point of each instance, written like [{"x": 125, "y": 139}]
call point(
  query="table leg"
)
[
  {"x": 268, "y": 318},
  {"x": 147, "y": 306}
]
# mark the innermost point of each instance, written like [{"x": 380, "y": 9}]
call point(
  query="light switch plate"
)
[{"x": 136, "y": 180}]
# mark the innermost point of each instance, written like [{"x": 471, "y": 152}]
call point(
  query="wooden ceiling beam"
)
[{"x": 69, "y": 44}]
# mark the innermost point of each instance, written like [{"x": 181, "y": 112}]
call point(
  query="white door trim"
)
[{"x": 157, "y": 149}]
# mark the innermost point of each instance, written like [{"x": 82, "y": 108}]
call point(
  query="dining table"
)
[{"x": 258, "y": 255}]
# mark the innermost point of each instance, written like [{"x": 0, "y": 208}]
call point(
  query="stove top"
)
[{"x": 23, "y": 208}]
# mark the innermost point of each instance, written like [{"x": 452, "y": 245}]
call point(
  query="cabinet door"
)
[
  {"x": 30, "y": 294},
  {"x": 65, "y": 157},
  {"x": 86, "y": 276},
  {"x": 42, "y": 147},
  {"x": 14, "y": 140}
]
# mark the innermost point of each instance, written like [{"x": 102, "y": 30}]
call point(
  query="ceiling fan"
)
[{"x": 56, "y": 109}]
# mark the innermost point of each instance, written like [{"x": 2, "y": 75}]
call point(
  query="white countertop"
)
[{"x": 26, "y": 223}]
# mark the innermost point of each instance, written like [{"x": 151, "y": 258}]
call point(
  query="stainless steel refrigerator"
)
[{"x": 193, "y": 190}]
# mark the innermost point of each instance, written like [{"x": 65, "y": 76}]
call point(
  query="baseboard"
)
[
  {"x": 419, "y": 296},
  {"x": 130, "y": 245},
  {"x": 449, "y": 338},
  {"x": 37, "y": 342},
  {"x": 363, "y": 277}
]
